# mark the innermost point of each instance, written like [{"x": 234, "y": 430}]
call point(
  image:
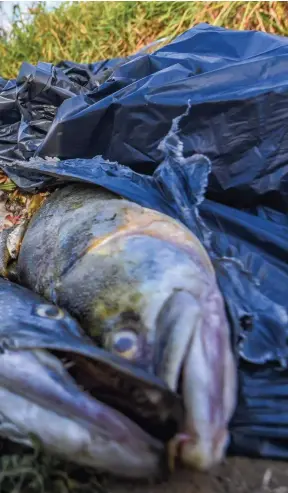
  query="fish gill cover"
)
[{"x": 197, "y": 130}]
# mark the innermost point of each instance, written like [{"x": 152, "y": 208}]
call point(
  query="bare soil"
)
[{"x": 236, "y": 475}]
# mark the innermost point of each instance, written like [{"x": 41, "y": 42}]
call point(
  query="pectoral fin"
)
[{"x": 10, "y": 243}]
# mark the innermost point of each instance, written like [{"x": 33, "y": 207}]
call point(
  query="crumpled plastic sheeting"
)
[
  {"x": 29, "y": 104},
  {"x": 225, "y": 178},
  {"x": 237, "y": 83}
]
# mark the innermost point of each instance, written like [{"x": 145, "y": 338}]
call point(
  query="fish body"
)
[
  {"x": 40, "y": 400},
  {"x": 143, "y": 287}
]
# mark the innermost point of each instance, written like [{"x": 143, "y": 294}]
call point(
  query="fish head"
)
[
  {"x": 162, "y": 309},
  {"x": 40, "y": 397}
]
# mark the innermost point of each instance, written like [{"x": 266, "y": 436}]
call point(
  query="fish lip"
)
[{"x": 178, "y": 311}]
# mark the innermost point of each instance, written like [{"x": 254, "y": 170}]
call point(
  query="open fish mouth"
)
[{"x": 40, "y": 401}]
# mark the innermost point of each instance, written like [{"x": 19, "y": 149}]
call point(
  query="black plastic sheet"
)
[{"x": 222, "y": 169}]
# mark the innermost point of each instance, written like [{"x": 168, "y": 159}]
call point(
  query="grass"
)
[
  {"x": 34, "y": 472},
  {"x": 91, "y": 31},
  {"x": 87, "y": 32}
]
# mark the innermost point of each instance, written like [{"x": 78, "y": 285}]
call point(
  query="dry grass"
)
[{"x": 91, "y": 31}]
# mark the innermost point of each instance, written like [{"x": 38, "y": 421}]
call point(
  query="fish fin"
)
[
  {"x": 15, "y": 237},
  {"x": 10, "y": 243}
]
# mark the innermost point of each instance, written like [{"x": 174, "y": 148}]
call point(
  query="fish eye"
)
[
  {"x": 125, "y": 343},
  {"x": 49, "y": 311}
]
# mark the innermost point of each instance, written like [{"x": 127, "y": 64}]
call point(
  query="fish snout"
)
[
  {"x": 209, "y": 386},
  {"x": 195, "y": 358}
]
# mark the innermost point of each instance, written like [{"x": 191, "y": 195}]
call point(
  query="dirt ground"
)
[{"x": 236, "y": 475}]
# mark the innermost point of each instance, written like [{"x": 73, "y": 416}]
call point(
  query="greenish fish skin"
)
[{"x": 143, "y": 287}]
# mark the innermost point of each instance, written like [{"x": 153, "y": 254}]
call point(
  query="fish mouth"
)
[
  {"x": 195, "y": 359},
  {"x": 144, "y": 398},
  {"x": 40, "y": 399}
]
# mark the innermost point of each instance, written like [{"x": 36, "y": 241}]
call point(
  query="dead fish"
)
[
  {"x": 143, "y": 286},
  {"x": 40, "y": 400}
]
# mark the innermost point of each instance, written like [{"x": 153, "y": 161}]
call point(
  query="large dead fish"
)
[
  {"x": 143, "y": 287},
  {"x": 40, "y": 400}
]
